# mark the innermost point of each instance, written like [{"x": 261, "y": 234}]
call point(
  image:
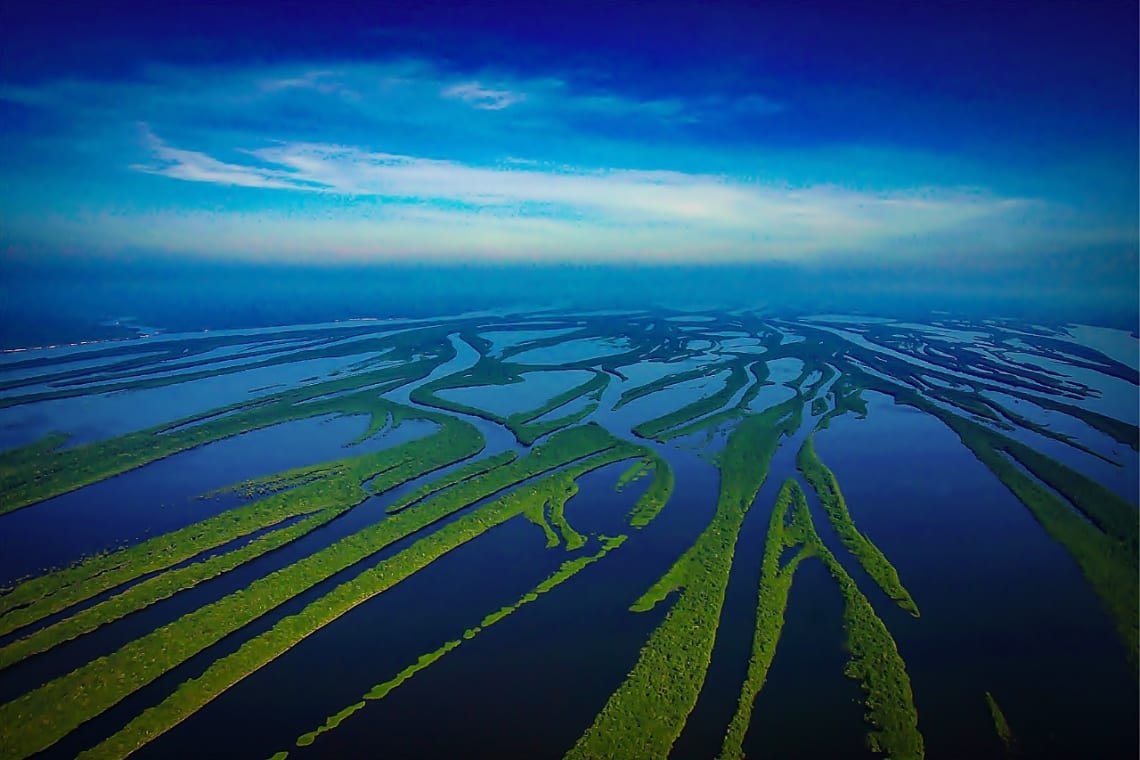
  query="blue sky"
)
[{"x": 870, "y": 135}]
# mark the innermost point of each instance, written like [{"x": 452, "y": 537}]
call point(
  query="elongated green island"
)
[{"x": 676, "y": 465}]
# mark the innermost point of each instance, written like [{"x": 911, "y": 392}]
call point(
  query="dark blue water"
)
[
  {"x": 164, "y": 495},
  {"x": 1004, "y": 608}
]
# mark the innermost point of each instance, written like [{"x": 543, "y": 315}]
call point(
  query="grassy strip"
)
[
  {"x": 713, "y": 421},
  {"x": 636, "y": 471},
  {"x": 595, "y": 385},
  {"x": 771, "y": 604},
  {"x": 1112, "y": 514},
  {"x": 818, "y": 406},
  {"x": 1108, "y": 563},
  {"x": 531, "y": 432},
  {"x": 1001, "y": 725},
  {"x": 459, "y": 475},
  {"x": 646, "y": 714},
  {"x": 875, "y": 662},
  {"x": 569, "y": 569},
  {"x": 39, "y": 718},
  {"x": 557, "y": 504},
  {"x": 154, "y": 590},
  {"x": 29, "y": 475},
  {"x": 656, "y": 428},
  {"x": 522, "y": 424},
  {"x": 338, "y": 492},
  {"x": 656, "y": 496},
  {"x": 823, "y": 482},
  {"x": 255, "y": 653},
  {"x": 664, "y": 382}
]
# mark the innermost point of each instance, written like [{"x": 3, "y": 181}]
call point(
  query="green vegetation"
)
[
  {"x": 1001, "y": 725},
  {"x": 523, "y": 424},
  {"x": 646, "y": 714},
  {"x": 656, "y": 428},
  {"x": 37, "y": 719},
  {"x": 875, "y": 661},
  {"x": 329, "y": 489},
  {"x": 34, "y": 473},
  {"x": 818, "y": 406},
  {"x": 656, "y": 496},
  {"x": 666, "y": 382},
  {"x": 876, "y": 664},
  {"x": 458, "y": 475},
  {"x": 826, "y": 487},
  {"x": 1108, "y": 561},
  {"x": 569, "y": 569},
  {"x": 286, "y": 633},
  {"x": 775, "y": 585}
]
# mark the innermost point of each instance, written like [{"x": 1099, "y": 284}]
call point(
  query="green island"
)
[
  {"x": 466, "y": 472},
  {"x": 875, "y": 661},
  {"x": 286, "y": 633},
  {"x": 656, "y": 496},
  {"x": 453, "y": 491},
  {"x": 823, "y": 482},
  {"x": 656, "y": 428},
  {"x": 775, "y": 585},
  {"x": 568, "y": 570},
  {"x": 1063, "y": 502},
  {"x": 328, "y": 491},
  {"x": 524, "y": 425},
  {"x": 147, "y": 657},
  {"x": 646, "y": 714}
]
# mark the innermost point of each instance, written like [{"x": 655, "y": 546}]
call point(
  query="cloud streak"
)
[{"x": 407, "y": 158}]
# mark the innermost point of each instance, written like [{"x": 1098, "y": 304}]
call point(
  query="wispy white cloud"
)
[
  {"x": 478, "y": 96},
  {"x": 407, "y": 158},
  {"x": 545, "y": 210}
]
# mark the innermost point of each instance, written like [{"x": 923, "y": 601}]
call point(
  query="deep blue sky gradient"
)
[{"x": 890, "y": 142}]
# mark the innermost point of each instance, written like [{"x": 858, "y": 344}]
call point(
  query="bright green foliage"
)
[
  {"x": 667, "y": 381},
  {"x": 255, "y": 653},
  {"x": 569, "y": 569},
  {"x": 875, "y": 660},
  {"x": 775, "y": 585},
  {"x": 876, "y": 664},
  {"x": 1108, "y": 561},
  {"x": 656, "y": 428},
  {"x": 826, "y": 487},
  {"x": 494, "y": 372},
  {"x": 330, "y": 489},
  {"x": 107, "y": 680},
  {"x": 644, "y": 717},
  {"x": 660, "y": 490},
  {"x": 29, "y": 475},
  {"x": 466, "y": 472}
]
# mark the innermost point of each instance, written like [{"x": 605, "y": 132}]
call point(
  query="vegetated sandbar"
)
[
  {"x": 771, "y": 604},
  {"x": 875, "y": 660},
  {"x": 1108, "y": 560},
  {"x": 41, "y": 717},
  {"x": 256, "y": 652},
  {"x": 34, "y": 473},
  {"x": 325, "y": 490},
  {"x": 646, "y": 714},
  {"x": 826, "y": 487},
  {"x": 565, "y": 572}
]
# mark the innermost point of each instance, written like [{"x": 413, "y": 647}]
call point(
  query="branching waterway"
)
[{"x": 643, "y": 534}]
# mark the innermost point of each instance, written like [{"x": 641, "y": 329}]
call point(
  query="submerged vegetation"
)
[
  {"x": 314, "y": 543},
  {"x": 1001, "y": 725}
]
